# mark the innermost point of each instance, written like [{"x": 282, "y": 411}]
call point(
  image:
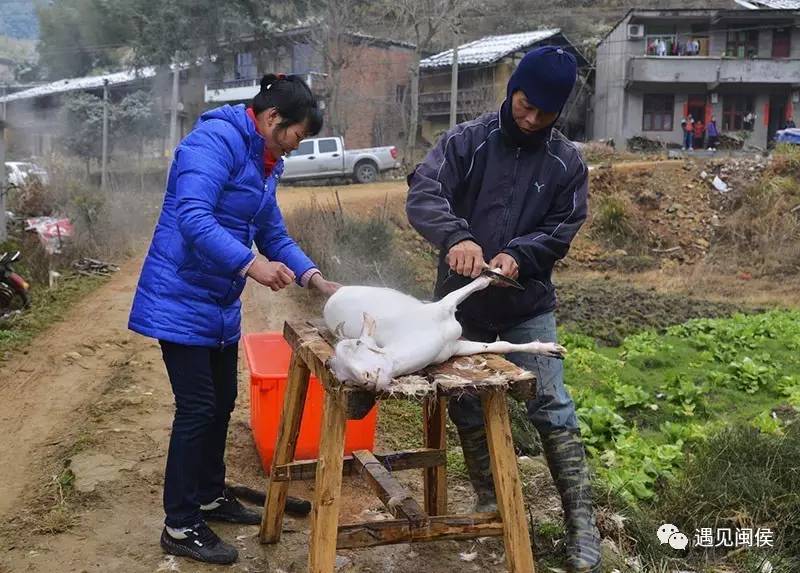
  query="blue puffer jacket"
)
[{"x": 217, "y": 203}]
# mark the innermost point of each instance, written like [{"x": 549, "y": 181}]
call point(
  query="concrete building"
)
[
  {"x": 658, "y": 66},
  {"x": 369, "y": 89},
  {"x": 371, "y": 93},
  {"x": 484, "y": 67},
  {"x": 7, "y": 67},
  {"x": 34, "y": 117}
]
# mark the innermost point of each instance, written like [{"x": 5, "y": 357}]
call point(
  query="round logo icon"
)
[
  {"x": 678, "y": 541},
  {"x": 665, "y": 531}
]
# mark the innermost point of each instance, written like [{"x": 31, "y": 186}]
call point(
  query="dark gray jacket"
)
[{"x": 527, "y": 202}]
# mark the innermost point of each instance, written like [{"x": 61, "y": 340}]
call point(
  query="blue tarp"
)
[{"x": 790, "y": 135}]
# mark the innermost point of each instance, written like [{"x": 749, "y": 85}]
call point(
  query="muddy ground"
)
[{"x": 89, "y": 396}]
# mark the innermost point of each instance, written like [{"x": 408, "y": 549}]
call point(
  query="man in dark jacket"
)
[{"x": 510, "y": 189}]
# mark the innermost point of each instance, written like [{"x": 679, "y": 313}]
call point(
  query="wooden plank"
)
[
  {"x": 439, "y": 528},
  {"x": 328, "y": 487},
  {"x": 434, "y": 411},
  {"x": 395, "y": 461},
  {"x": 394, "y": 495},
  {"x": 294, "y": 505},
  {"x": 476, "y": 367},
  {"x": 507, "y": 485},
  {"x": 306, "y": 341},
  {"x": 293, "y": 402}
]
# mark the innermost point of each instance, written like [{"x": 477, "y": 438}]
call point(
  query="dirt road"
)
[
  {"x": 90, "y": 394},
  {"x": 93, "y": 395}
]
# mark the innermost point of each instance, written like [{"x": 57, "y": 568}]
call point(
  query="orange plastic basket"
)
[{"x": 268, "y": 356}]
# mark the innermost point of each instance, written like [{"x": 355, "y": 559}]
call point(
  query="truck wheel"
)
[{"x": 365, "y": 172}]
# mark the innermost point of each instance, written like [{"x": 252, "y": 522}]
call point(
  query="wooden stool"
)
[{"x": 488, "y": 376}]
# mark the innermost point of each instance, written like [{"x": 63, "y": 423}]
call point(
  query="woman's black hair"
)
[{"x": 292, "y": 99}]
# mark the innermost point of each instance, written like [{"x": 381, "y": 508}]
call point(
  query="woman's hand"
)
[
  {"x": 273, "y": 274},
  {"x": 326, "y": 287}
]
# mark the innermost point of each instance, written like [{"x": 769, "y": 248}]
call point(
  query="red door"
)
[
  {"x": 781, "y": 43},
  {"x": 697, "y": 107}
]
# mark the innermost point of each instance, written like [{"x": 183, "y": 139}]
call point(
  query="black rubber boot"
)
[
  {"x": 567, "y": 460},
  {"x": 476, "y": 458}
]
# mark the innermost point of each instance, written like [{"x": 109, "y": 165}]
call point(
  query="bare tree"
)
[
  {"x": 337, "y": 37},
  {"x": 424, "y": 19},
  {"x": 426, "y": 22}
]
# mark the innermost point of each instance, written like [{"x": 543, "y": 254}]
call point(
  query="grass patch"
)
[
  {"x": 739, "y": 478},
  {"x": 48, "y": 306},
  {"x": 362, "y": 250},
  {"x": 763, "y": 231},
  {"x": 641, "y": 404},
  {"x": 400, "y": 424},
  {"x": 613, "y": 222},
  {"x": 58, "y": 517}
]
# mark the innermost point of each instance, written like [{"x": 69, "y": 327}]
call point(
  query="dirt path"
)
[{"x": 90, "y": 394}]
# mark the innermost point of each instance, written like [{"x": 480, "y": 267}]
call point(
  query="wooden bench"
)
[{"x": 487, "y": 376}]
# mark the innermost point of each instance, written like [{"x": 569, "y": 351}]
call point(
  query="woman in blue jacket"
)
[{"x": 220, "y": 199}]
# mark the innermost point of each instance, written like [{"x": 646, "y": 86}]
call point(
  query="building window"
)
[
  {"x": 399, "y": 93},
  {"x": 302, "y": 58},
  {"x": 742, "y": 44},
  {"x": 661, "y": 40},
  {"x": 245, "y": 66},
  {"x": 737, "y": 113},
  {"x": 658, "y": 110},
  {"x": 662, "y": 46},
  {"x": 781, "y": 42},
  {"x": 698, "y": 42}
]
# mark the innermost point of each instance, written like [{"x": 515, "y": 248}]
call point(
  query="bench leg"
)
[
  {"x": 507, "y": 484},
  {"x": 435, "y": 416},
  {"x": 328, "y": 487},
  {"x": 293, "y": 402}
]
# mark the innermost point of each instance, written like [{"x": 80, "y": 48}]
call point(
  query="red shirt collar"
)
[{"x": 269, "y": 159}]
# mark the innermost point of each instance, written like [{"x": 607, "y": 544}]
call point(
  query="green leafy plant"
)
[
  {"x": 686, "y": 394},
  {"x": 768, "y": 423},
  {"x": 628, "y": 395},
  {"x": 790, "y": 387},
  {"x": 751, "y": 376},
  {"x": 599, "y": 425},
  {"x": 637, "y": 464},
  {"x": 644, "y": 344}
]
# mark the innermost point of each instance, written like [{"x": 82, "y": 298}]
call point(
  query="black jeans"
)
[{"x": 204, "y": 384}]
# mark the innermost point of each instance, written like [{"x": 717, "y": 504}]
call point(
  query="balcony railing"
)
[
  {"x": 229, "y": 84},
  {"x": 246, "y": 88},
  {"x": 470, "y": 100},
  {"x": 713, "y": 70}
]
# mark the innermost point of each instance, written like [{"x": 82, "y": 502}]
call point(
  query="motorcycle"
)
[{"x": 14, "y": 290}]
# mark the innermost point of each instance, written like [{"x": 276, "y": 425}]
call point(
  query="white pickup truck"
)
[{"x": 325, "y": 157}]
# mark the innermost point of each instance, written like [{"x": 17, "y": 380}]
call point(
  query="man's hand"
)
[
  {"x": 508, "y": 267},
  {"x": 326, "y": 287},
  {"x": 271, "y": 273},
  {"x": 466, "y": 258}
]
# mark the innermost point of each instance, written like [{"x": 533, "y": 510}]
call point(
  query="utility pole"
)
[
  {"x": 3, "y": 182},
  {"x": 454, "y": 79},
  {"x": 104, "y": 161},
  {"x": 173, "y": 108}
]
